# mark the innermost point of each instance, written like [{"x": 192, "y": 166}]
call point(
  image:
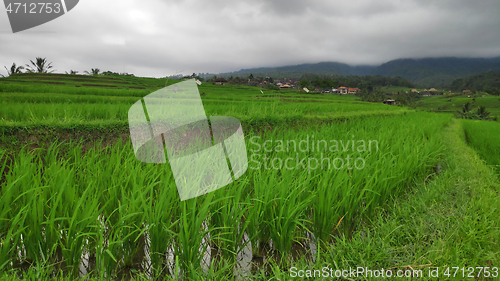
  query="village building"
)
[
  {"x": 345, "y": 90},
  {"x": 352, "y": 91},
  {"x": 466, "y": 92},
  {"x": 220, "y": 81},
  {"x": 389, "y": 102}
]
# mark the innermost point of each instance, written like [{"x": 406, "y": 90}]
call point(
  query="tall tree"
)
[
  {"x": 93, "y": 71},
  {"x": 14, "y": 69},
  {"x": 40, "y": 65},
  {"x": 303, "y": 83}
]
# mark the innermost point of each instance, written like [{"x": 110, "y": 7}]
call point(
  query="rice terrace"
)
[{"x": 335, "y": 183}]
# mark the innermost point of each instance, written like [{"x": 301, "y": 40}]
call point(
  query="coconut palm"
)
[
  {"x": 41, "y": 65},
  {"x": 482, "y": 113},
  {"x": 93, "y": 71},
  {"x": 466, "y": 111},
  {"x": 14, "y": 69}
]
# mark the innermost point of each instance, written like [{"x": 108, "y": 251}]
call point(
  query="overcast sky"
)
[{"x": 159, "y": 38}]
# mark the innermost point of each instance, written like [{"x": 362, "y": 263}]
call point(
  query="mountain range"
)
[{"x": 425, "y": 72}]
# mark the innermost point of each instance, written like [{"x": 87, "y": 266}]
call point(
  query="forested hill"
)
[
  {"x": 488, "y": 82},
  {"x": 437, "y": 72},
  {"x": 427, "y": 72}
]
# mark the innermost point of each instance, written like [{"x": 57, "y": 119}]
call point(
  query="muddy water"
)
[{"x": 247, "y": 263}]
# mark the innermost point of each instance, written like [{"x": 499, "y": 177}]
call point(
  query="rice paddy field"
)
[
  {"x": 332, "y": 182},
  {"x": 452, "y": 104},
  {"x": 484, "y": 137}
]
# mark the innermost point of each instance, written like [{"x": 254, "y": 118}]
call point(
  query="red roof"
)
[
  {"x": 353, "y": 89},
  {"x": 342, "y": 88}
]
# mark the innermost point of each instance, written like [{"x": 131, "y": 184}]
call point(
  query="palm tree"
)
[
  {"x": 466, "y": 111},
  {"x": 40, "y": 66},
  {"x": 482, "y": 113},
  {"x": 93, "y": 71},
  {"x": 14, "y": 69}
]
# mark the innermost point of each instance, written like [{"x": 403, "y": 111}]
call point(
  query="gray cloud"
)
[{"x": 157, "y": 38}]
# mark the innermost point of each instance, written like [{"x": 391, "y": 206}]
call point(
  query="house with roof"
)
[
  {"x": 220, "y": 81},
  {"x": 343, "y": 90},
  {"x": 389, "y": 101},
  {"x": 352, "y": 91},
  {"x": 466, "y": 92}
]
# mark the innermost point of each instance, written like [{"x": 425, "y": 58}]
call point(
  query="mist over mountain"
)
[
  {"x": 322, "y": 68},
  {"x": 425, "y": 72}
]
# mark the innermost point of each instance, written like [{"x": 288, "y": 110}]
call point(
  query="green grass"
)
[
  {"x": 103, "y": 200},
  {"x": 449, "y": 221},
  {"x": 442, "y": 103},
  {"x": 76, "y": 84},
  {"x": 484, "y": 136},
  {"x": 65, "y": 195},
  {"x": 29, "y": 109}
]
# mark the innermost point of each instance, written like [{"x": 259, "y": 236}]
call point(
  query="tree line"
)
[
  {"x": 488, "y": 82},
  {"x": 42, "y": 65}
]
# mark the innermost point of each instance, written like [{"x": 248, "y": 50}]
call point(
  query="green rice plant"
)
[
  {"x": 61, "y": 113},
  {"x": 29, "y": 192},
  {"x": 161, "y": 206},
  {"x": 261, "y": 199},
  {"x": 483, "y": 137},
  {"x": 15, "y": 87},
  {"x": 288, "y": 212},
  {"x": 78, "y": 226},
  {"x": 192, "y": 231},
  {"x": 66, "y": 201},
  {"x": 326, "y": 213},
  {"x": 232, "y": 215},
  {"x": 64, "y": 98}
]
